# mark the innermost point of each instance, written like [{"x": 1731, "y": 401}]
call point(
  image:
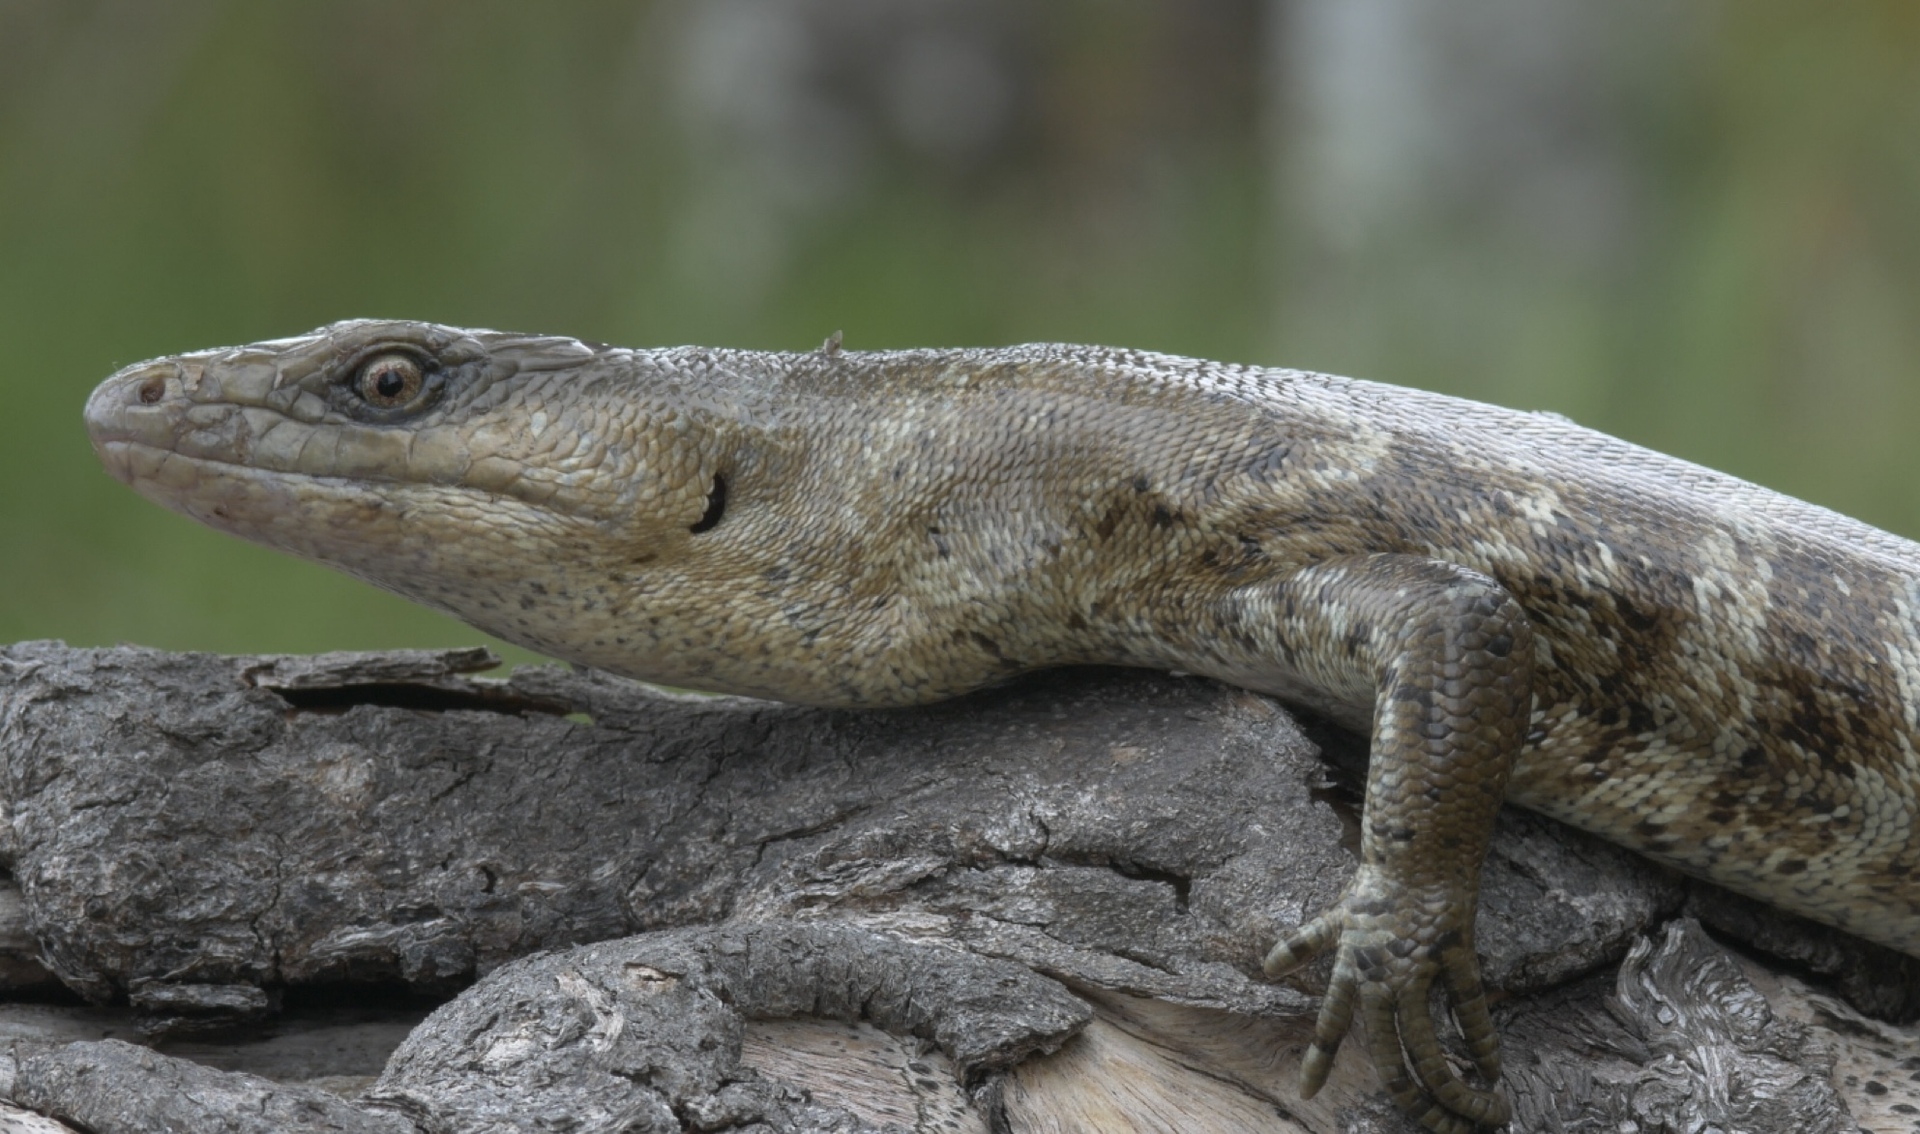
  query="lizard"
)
[{"x": 1508, "y": 605}]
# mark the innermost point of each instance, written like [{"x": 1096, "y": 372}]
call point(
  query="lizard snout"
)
[{"x": 138, "y": 406}]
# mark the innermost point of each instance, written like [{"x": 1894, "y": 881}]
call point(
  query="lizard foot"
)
[{"x": 1389, "y": 947}]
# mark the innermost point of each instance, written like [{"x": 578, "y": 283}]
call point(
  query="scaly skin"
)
[{"x": 1718, "y": 676}]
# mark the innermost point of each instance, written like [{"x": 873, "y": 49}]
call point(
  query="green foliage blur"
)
[{"x": 1744, "y": 290}]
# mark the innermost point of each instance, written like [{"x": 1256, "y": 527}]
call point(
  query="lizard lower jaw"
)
[{"x": 225, "y": 497}]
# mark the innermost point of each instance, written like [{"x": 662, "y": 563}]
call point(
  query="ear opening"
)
[{"x": 716, "y": 506}]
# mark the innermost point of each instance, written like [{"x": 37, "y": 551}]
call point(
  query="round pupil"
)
[{"x": 390, "y": 382}]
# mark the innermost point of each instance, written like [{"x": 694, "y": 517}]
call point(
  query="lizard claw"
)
[{"x": 1385, "y": 963}]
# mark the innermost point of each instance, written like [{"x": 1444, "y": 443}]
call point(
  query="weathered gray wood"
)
[
  {"x": 658, "y": 1032},
  {"x": 194, "y": 833},
  {"x": 1685, "y": 1041},
  {"x": 15, "y": 1120},
  {"x": 339, "y": 1048},
  {"x": 176, "y": 824},
  {"x": 356, "y": 669},
  {"x": 629, "y": 1034},
  {"x": 113, "y": 1087}
]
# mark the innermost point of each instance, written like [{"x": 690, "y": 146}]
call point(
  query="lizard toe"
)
[
  {"x": 1304, "y": 944},
  {"x": 1461, "y": 972},
  {"x": 1384, "y": 1043},
  {"x": 1336, "y": 1017},
  {"x": 1421, "y": 1041}
]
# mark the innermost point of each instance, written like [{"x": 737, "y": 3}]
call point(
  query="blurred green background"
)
[{"x": 1696, "y": 225}]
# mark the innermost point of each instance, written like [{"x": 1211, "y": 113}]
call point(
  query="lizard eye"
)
[{"x": 389, "y": 381}]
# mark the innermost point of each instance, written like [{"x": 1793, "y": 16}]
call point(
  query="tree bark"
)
[{"x": 1037, "y": 908}]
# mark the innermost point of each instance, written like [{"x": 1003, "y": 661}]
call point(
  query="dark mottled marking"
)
[{"x": 1265, "y": 466}]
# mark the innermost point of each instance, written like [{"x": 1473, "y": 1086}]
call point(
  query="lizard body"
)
[{"x": 1716, "y": 675}]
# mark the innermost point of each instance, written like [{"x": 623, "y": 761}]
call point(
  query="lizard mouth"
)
[{"x": 223, "y": 495}]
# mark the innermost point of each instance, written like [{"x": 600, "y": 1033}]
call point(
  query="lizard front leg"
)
[{"x": 1445, "y": 656}]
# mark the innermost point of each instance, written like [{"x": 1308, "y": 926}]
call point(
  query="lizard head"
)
[{"x": 535, "y": 487}]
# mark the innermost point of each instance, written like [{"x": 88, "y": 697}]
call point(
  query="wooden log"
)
[{"x": 194, "y": 834}]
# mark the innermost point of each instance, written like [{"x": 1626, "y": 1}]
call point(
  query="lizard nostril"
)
[{"x": 152, "y": 390}]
